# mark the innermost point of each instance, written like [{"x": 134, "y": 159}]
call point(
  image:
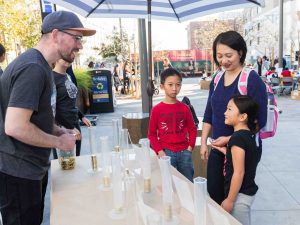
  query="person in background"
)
[
  {"x": 172, "y": 130},
  {"x": 271, "y": 74},
  {"x": 258, "y": 66},
  {"x": 67, "y": 114},
  {"x": 286, "y": 73},
  {"x": 91, "y": 65},
  {"x": 265, "y": 65},
  {"x": 2, "y": 56},
  {"x": 166, "y": 63},
  {"x": 242, "y": 158},
  {"x": 229, "y": 51},
  {"x": 27, "y": 129}
]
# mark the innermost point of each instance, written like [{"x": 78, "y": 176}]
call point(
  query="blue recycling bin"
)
[{"x": 101, "y": 97}]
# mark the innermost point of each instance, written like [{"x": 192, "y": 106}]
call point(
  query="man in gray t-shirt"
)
[{"x": 27, "y": 130}]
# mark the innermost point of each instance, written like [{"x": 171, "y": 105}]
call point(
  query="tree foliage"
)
[
  {"x": 209, "y": 30},
  {"x": 20, "y": 23},
  {"x": 117, "y": 45}
]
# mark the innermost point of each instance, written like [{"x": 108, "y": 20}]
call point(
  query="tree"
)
[
  {"x": 209, "y": 30},
  {"x": 117, "y": 45},
  {"x": 20, "y": 23}
]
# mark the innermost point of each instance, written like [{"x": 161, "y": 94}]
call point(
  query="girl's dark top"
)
[{"x": 245, "y": 140}]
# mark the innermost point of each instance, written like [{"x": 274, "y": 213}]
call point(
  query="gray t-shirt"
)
[{"x": 26, "y": 83}]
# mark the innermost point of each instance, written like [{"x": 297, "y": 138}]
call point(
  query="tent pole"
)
[
  {"x": 150, "y": 87},
  {"x": 280, "y": 55},
  {"x": 143, "y": 64}
]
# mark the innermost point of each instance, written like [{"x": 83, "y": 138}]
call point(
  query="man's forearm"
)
[{"x": 30, "y": 134}]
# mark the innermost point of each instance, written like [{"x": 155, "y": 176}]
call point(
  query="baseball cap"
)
[{"x": 64, "y": 20}]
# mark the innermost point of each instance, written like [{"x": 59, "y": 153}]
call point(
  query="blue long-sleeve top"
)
[{"x": 219, "y": 98}]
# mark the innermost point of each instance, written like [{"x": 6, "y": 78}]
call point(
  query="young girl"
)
[{"x": 241, "y": 158}]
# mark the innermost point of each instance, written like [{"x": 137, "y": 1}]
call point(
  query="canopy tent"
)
[{"x": 176, "y": 10}]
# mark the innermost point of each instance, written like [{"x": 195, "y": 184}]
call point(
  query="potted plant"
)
[{"x": 84, "y": 83}]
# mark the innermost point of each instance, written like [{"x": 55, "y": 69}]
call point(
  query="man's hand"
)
[
  {"x": 77, "y": 134},
  {"x": 86, "y": 121},
  {"x": 161, "y": 153},
  {"x": 227, "y": 205},
  {"x": 66, "y": 142},
  {"x": 190, "y": 148}
]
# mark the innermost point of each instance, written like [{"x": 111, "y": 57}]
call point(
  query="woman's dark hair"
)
[
  {"x": 167, "y": 73},
  {"x": 233, "y": 40},
  {"x": 246, "y": 104}
]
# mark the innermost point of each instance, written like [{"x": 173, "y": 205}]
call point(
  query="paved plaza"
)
[{"x": 278, "y": 177}]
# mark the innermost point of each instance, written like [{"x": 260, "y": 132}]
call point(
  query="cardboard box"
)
[
  {"x": 295, "y": 95},
  {"x": 204, "y": 84}
]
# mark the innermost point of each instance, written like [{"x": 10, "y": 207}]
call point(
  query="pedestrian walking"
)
[{"x": 27, "y": 130}]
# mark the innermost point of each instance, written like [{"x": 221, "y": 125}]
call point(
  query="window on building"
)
[
  {"x": 258, "y": 39},
  {"x": 258, "y": 26},
  {"x": 250, "y": 42}
]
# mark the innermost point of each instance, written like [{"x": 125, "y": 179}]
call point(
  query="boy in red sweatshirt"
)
[{"x": 172, "y": 130}]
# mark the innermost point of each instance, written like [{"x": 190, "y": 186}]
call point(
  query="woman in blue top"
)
[{"x": 229, "y": 52}]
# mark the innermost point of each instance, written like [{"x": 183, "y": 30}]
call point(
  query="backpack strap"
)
[
  {"x": 217, "y": 78},
  {"x": 243, "y": 81}
]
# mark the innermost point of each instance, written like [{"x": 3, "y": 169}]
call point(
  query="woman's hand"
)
[
  {"x": 86, "y": 121},
  {"x": 204, "y": 152}
]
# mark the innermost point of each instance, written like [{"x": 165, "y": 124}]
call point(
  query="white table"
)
[{"x": 77, "y": 200}]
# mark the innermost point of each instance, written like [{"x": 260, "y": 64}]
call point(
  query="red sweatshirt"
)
[{"x": 171, "y": 126}]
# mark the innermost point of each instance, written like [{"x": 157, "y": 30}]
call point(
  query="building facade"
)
[{"x": 261, "y": 30}]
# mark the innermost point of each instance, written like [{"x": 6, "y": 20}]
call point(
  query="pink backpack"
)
[{"x": 269, "y": 129}]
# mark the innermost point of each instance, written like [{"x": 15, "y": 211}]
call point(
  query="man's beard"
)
[{"x": 67, "y": 57}]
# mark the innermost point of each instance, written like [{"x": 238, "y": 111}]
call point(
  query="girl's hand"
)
[
  {"x": 227, "y": 205},
  {"x": 161, "y": 153},
  {"x": 221, "y": 149},
  {"x": 220, "y": 141}
]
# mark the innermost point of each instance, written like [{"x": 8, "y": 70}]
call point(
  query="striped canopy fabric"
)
[{"x": 178, "y": 10}]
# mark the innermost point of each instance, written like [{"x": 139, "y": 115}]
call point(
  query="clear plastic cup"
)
[{"x": 66, "y": 158}]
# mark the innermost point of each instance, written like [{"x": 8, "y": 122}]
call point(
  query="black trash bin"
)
[{"x": 101, "y": 98}]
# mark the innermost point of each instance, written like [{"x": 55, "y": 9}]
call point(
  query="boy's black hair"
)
[
  {"x": 167, "y": 73},
  {"x": 246, "y": 104},
  {"x": 233, "y": 40},
  {"x": 2, "y": 50},
  {"x": 272, "y": 68}
]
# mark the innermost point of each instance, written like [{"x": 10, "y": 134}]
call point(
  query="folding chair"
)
[
  {"x": 287, "y": 85},
  {"x": 275, "y": 84}
]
